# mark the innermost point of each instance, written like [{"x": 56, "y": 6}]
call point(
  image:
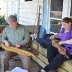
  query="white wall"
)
[
  {"x": 11, "y": 7},
  {"x": 26, "y": 11}
]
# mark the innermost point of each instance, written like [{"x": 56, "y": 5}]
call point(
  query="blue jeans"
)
[{"x": 54, "y": 58}]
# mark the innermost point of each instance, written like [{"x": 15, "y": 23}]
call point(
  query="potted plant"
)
[{"x": 2, "y": 23}]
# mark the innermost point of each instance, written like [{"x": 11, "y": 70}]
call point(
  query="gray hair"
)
[{"x": 12, "y": 18}]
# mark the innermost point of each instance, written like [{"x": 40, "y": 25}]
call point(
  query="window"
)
[
  {"x": 55, "y": 26},
  {"x": 71, "y": 9},
  {"x": 55, "y": 15},
  {"x": 28, "y": 0}
]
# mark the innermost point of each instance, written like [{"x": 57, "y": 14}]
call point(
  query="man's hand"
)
[
  {"x": 18, "y": 46},
  {"x": 7, "y": 44}
]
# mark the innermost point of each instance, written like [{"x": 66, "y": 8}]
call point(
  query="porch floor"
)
[{"x": 16, "y": 62}]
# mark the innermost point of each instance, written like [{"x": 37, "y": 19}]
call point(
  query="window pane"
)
[
  {"x": 71, "y": 9},
  {"x": 56, "y": 14},
  {"x": 56, "y": 5},
  {"x": 54, "y": 26},
  {"x": 28, "y": 0}
]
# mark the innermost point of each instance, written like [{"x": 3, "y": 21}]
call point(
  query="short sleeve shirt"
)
[{"x": 66, "y": 36}]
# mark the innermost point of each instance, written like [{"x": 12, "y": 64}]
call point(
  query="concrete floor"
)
[
  {"x": 34, "y": 67},
  {"x": 16, "y": 62}
]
